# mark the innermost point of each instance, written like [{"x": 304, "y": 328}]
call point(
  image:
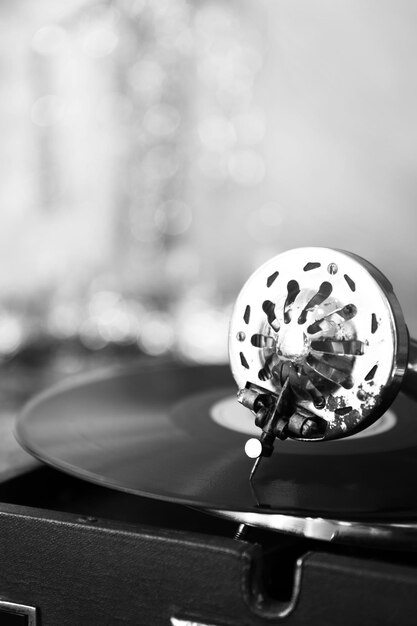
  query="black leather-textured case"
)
[{"x": 82, "y": 570}]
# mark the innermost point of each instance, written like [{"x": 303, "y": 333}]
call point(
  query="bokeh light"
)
[
  {"x": 50, "y": 39},
  {"x": 154, "y": 152},
  {"x": 48, "y": 110},
  {"x": 173, "y": 218}
]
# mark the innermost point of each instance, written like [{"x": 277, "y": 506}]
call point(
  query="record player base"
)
[{"x": 80, "y": 570}]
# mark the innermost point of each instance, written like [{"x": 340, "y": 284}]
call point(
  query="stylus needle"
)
[
  {"x": 243, "y": 529},
  {"x": 257, "y": 448},
  {"x": 255, "y": 467}
]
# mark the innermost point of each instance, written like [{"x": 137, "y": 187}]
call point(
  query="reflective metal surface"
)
[
  {"x": 176, "y": 621},
  {"x": 390, "y": 536},
  {"x": 333, "y": 320},
  {"x": 19, "y": 611}
]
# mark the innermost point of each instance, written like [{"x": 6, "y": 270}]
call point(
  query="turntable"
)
[{"x": 164, "y": 499}]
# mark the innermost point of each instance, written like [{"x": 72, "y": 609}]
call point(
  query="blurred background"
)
[{"x": 154, "y": 152}]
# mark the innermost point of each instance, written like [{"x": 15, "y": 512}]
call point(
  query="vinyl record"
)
[{"x": 176, "y": 433}]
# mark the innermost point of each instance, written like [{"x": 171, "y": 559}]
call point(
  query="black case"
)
[{"x": 80, "y": 569}]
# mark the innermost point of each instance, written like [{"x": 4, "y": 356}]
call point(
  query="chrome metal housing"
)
[{"x": 335, "y": 318}]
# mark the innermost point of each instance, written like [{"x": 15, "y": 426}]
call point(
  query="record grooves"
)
[{"x": 150, "y": 431}]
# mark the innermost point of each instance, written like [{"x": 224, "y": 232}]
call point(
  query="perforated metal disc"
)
[{"x": 333, "y": 316}]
